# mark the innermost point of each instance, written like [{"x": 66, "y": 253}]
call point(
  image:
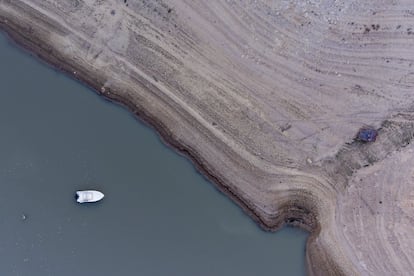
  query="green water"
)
[{"x": 159, "y": 216}]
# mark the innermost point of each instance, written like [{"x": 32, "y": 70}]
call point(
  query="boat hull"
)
[{"x": 89, "y": 196}]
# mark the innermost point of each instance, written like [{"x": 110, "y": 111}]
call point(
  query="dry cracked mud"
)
[{"x": 266, "y": 97}]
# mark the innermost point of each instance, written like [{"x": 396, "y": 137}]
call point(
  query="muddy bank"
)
[{"x": 265, "y": 99}]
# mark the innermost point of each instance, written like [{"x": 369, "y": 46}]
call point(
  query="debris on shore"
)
[{"x": 367, "y": 135}]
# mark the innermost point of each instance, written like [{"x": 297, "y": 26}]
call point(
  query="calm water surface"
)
[{"x": 159, "y": 216}]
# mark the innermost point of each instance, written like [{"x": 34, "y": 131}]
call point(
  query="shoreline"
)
[
  {"x": 138, "y": 114},
  {"x": 290, "y": 214},
  {"x": 65, "y": 68},
  {"x": 267, "y": 119}
]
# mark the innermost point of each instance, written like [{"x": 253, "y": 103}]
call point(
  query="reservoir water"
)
[{"x": 159, "y": 216}]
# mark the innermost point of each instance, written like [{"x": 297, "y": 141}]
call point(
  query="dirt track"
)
[{"x": 266, "y": 97}]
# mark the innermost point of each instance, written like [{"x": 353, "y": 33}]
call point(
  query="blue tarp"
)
[{"x": 367, "y": 135}]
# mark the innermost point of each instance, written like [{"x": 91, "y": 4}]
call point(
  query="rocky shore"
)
[{"x": 266, "y": 98}]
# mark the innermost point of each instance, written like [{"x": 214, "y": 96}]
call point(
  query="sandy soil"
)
[{"x": 266, "y": 97}]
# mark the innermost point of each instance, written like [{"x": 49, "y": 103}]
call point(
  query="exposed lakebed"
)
[{"x": 159, "y": 216}]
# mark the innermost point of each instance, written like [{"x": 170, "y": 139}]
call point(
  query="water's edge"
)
[
  {"x": 159, "y": 215},
  {"x": 46, "y": 56},
  {"x": 21, "y": 39}
]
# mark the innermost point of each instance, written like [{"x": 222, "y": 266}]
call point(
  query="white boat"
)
[{"x": 88, "y": 196}]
